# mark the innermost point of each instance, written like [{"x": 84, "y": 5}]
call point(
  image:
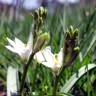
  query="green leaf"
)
[
  {"x": 70, "y": 83},
  {"x": 83, "y": 53}
]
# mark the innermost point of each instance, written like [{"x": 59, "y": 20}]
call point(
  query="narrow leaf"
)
[{"x": 70, "y": 83}]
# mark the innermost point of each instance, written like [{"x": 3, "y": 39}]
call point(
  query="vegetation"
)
[{"x": 77, "y": 76}]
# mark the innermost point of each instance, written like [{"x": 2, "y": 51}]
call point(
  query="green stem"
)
[
  {"x": 25, "y": 73},
  {"x": 57, "y": 78},
  {"x": 55, "y": 85}
]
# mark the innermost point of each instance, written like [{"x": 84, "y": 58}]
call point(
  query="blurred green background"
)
[{"x": 39, "y": 77}]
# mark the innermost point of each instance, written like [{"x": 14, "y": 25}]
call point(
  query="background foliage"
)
[{"x": 39, "y": 77}]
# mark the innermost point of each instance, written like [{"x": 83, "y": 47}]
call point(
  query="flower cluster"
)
[{"x": 44, "y": 56}]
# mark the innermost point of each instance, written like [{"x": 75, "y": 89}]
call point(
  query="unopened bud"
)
[{"x": 41, "y": 41}]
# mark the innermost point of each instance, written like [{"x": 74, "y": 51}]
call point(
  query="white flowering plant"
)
[
  {"x": 18, "y": 47},
  {"x": 39, "y": 57}
]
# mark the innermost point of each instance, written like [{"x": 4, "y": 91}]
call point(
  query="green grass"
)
[{"x": 40, "y": 78}]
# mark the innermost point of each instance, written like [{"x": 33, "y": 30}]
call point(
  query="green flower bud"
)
[
  {"x": 41, "y": 41},
  {"x": 71, "y": 48},
  {"x": 71, "y": 32}
]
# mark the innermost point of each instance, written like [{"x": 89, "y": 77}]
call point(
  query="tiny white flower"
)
[
  {"x": 18, "y": 47},
  {"x": 47, "y": 58}
]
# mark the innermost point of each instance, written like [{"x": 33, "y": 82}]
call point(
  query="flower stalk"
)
[
  {"x": 70, "y": 52},
  {"x": 43, "y": 39},
  {"x": 27, "y": 51},
  {"x": 25, "y": 72}
]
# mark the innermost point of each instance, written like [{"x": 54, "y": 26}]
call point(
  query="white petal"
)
[
  {"x": 10, "y": 48},
  {"x": 47, "y": 64},
  {"x": 11, "y": 42},
  {"x": 19, "y": 43},
  {"x": 30, "y": 41},
  {"x": 45, "y": 55},
  {"x": 48, "y": 55},
  {"x": 60, "y": 57},
  {"x": 52, "y": 66},
  {"x": 14, "y": 50},
  {"x": 39, "y": 57}
]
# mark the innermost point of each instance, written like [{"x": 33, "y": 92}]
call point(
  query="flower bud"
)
[{"x": 41, "y": 41}]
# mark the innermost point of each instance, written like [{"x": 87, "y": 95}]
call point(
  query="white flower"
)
[
  {"x": 23, "y": 50},
  {"x": 47, "y": 58}
]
